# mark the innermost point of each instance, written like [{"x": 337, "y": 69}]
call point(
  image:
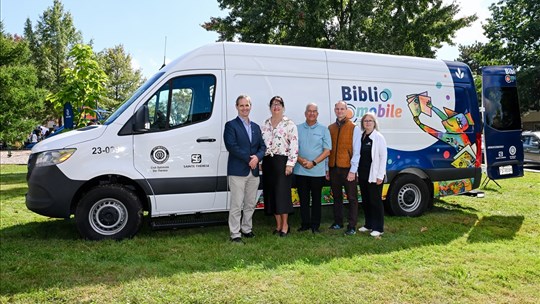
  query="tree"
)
[
  {"x": 50, "y": 43},
  {"x": 123, "y": 79},
  {"x": 386, "y": 26},
  {"x": 20, "y": 99},
  {"x": 472, "y": 55},
  {"x": 514, "y": 38},
  {"x": 84, "y": 84}
]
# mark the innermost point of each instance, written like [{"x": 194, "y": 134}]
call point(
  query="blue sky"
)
[{"x": 141, "y": 26}]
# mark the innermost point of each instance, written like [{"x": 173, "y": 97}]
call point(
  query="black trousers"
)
[
  {"x": 372, "y": 205},
  {"x": 276, "y": 186},
  {"x": 310, "y": 189},
  {"x": 338, "y": 180}
]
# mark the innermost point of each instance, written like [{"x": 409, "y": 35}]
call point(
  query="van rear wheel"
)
[
  {"x": 109, "y": 212},
  {"x": 409, "y": 196}
]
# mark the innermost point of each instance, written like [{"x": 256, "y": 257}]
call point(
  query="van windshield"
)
[{"x": 134, "y": 97}]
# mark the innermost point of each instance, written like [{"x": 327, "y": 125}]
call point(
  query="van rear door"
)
[{"x": 502, "y": 123}]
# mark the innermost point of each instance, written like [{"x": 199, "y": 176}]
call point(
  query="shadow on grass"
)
[
  {"x": 12, "y": 178},
  {"x": 17, "y": 192},
  {"x": 451, "y": 206},
  {"x": 42, "y": 255},
  {"x": 493, "y": 228},
  {"x": 48, "y": 230}
]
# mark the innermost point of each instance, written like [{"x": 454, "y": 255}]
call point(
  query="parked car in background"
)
[{"x": 531, "y": 147}]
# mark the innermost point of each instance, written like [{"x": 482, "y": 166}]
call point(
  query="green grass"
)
[{"x": 464, "y": 250}]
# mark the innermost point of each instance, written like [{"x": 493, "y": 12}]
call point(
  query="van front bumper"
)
[{"x": 50, "y": 192}]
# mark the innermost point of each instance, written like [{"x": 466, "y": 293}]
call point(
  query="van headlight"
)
[{"x": 53, "y": 157}]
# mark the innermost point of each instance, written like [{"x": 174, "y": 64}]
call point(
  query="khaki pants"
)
[{"x": 243, "y": 202}]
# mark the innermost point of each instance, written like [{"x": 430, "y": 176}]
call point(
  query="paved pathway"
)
[{"x": 18, "y": 157}]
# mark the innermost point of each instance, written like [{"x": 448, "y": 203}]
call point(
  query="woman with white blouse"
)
[
  {"x": 281, "y": 139},
  {"x": 371, "y": 174}
]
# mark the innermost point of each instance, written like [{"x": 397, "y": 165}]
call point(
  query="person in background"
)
[
  {"x": 243, "y": 140},
  {"x": 281, "y": 139},
  {"x": 35, "y": 136},
  {"x": 342, "y": 167},
  {"x": 371, "y": 174},
  {"x": 314, "y": 145}
]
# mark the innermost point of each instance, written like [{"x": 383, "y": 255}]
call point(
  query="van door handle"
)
[{"x": 206, "y": 140}]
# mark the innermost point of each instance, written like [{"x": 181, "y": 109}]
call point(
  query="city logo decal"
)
[
  {"x": 196, "y": 158},
  {"x": 159, "y": 155}
]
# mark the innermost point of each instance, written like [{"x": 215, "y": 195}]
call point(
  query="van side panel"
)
[{"x": 299, "y": 75}]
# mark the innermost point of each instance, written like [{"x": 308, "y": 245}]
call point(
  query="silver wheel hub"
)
[
  {"x": 108, "y": 216},
  {"x": 409, "y": 197}
]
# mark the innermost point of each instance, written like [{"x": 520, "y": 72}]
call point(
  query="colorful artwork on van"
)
[
  {"x": 452, "y": 187},
  {"x": 455, "y": 124},
  {"x": 326, "y": 197}
]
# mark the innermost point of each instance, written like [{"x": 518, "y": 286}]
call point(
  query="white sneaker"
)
[
  {"x": 363, "y": 229},
  {"x": 376, "y": 233}
]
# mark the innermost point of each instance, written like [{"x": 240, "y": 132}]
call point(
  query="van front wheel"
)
[
  {"x": 409, "y": 196},
  {"x": 109, "y": 212}
]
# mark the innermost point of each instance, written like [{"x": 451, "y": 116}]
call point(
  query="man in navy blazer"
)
[{"x": 243, "y": 139}]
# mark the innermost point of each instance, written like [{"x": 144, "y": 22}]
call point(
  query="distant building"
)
[{"x": 530, "y": 121}]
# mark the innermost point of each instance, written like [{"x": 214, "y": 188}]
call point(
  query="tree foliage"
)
[
  {"x": 514, "y": 32},
  {"x": 385, "y": 26},
  {"x": 20, "y": 100},
  {"x": 514, "y": 38},
  {"x": 50, "y": 42},
  {"x": 123, "y": 79},
  {"x": 84, "y": 84}
]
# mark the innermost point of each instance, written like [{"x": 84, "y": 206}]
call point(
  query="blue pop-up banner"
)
[{"x": 68, "y": 116}]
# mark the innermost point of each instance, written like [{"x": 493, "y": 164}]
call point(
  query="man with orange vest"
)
[{"x": 342, "y": 166}]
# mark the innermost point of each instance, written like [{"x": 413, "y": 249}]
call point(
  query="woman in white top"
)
[
  {"x": 34, "y": 137},
  {"x": 281, "y": 139},
  {"x": 371, "y": 174}
]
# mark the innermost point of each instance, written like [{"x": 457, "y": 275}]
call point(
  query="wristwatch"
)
[{"x": 314, "y": 163}]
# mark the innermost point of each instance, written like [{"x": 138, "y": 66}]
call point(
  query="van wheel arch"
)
[{"x": 111, "y": 179}]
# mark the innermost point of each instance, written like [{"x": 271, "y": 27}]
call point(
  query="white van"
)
[{"x": 162, "y": 151}]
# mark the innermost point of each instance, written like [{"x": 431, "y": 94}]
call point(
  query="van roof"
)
[{"x": 315, "y": 62}]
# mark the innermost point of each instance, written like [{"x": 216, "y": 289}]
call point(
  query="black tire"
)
[
  {"x": 109, "y": 212},
  {"x": 409, "y": 196}
]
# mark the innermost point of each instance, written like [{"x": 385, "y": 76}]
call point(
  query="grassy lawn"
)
[{"x": 464, "y": 250}]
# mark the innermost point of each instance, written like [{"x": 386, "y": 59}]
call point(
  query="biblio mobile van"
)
[{"x": 162, "y": 151}]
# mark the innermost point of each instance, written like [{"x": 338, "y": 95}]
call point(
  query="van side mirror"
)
[{"x": 142, "y": 120}]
